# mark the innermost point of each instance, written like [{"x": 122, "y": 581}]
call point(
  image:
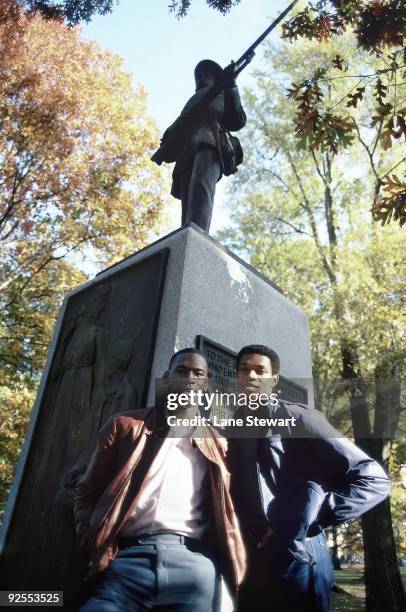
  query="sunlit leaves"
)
[
  {"x": 317, "y": 128},
  {"x": 75, "y": 140},
  {"x": 377, "y": 23},
  {"x": 310, "y": 23},
  {"x": 75, "y": 174},
  {"x": 73, "y": 11},
  {"x": 76, "y": 184},
  {"x": 379, "y": 28},
  {"x": 181, "y": 7},
  {"x": 15, "y": 406},
  {"x": 280, "y": 201},
  {"x": 391, "y": 205}
]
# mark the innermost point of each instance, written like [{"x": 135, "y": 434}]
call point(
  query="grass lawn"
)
[{"x": 353, "y": 600}]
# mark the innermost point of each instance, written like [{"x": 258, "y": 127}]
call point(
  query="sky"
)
[{"x": 161, "y": 52}]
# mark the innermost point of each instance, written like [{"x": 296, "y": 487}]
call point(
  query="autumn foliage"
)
[
  {"x": 76, "y": 186},
  {"x": 376, "y": 24},
  {"x": 379, "y": 28},
  {"x": 75, "y": 174}
]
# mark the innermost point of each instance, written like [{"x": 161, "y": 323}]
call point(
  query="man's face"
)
[
  {"x": 188, "y": 372},
  {"x": 254, "y": 375},
  {"x": 203, "y": 78}
]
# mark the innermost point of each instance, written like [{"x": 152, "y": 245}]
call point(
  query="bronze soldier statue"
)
[
  {"x": 199, "y": 141},
  {"x": 208, "y": 150}
]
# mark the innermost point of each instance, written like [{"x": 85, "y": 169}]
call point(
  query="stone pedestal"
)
[
  {"x": 211, "y": 292},
  {"x": 114, "y": 336}
]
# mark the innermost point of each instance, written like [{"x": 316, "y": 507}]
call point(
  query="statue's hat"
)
[{"x": 215, "y": 69}]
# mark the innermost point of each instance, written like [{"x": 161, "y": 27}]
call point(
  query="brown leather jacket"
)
[{"x": 108, "y": 490}]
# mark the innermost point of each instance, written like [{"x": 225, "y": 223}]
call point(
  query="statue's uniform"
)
[{"x": 199, "y": 163}]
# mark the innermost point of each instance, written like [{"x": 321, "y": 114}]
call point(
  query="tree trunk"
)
[
  {"x": 384, "y": 589},
  {"x": 383, "y": 581}
]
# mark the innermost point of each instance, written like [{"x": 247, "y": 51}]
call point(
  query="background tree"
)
[
  {"x": 76, "y": 185},
  {"x": 302, "y": 217},
  {"x": 181, "y": 7},
  {"x": 325, "y": 121},
  {"x": 75, "y": 11}
]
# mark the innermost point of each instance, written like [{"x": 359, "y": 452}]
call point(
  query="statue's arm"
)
[
  {"x": 234, "y": 117},
  {"x": 184, "y": 116}
]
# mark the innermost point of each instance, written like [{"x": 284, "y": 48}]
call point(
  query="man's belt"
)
[{"x": 153, "y": 538}]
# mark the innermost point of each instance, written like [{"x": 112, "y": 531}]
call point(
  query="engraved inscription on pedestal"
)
[{"x": 222, "y": 373}]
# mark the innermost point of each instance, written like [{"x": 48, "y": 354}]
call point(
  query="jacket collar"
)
[
  {"x": 214, "y": 443},
  {"x": 155, "y": 422}
]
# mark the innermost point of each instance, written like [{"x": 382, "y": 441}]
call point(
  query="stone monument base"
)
[{"x": 114, "y": 337}]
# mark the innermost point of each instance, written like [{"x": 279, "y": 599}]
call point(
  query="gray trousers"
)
[
  {"x": 158, "y": 573},
  {"x": 198, "y": 187}
]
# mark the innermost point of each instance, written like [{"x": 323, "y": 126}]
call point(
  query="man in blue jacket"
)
[{"x": 289, "y": 483}]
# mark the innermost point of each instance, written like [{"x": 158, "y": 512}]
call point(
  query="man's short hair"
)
[
  {"x": 261, "y": 349},
  {"x": 184, "y": 351}
]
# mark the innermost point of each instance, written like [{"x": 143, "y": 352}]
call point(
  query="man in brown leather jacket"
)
[
  {"x": 200, "y": 161},
  {"x": 153, "y": 510}
]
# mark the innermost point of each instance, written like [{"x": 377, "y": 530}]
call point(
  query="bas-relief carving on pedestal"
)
[
  {"x": 117, "y": 392},
  {"x": 101, "y": 365},
  {"x": 79, "y": 365}
]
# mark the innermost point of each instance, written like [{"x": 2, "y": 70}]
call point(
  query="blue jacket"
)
[
  {"x": 311, "y": 477},
  {"x": 318, "y": 477}
]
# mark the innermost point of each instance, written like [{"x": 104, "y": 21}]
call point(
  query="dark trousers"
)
[
  {"x": 159, "y": 572},
  {"x": 198, "y": 186},
  {"x": 287, "y": 585}
]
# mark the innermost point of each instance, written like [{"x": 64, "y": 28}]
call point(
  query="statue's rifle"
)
[{"x": 176, "y": 134}]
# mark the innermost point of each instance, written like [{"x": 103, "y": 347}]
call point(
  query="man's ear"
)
[
  {"x": 275, "y": 379},
  {"x": 165, "y": 378}
]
